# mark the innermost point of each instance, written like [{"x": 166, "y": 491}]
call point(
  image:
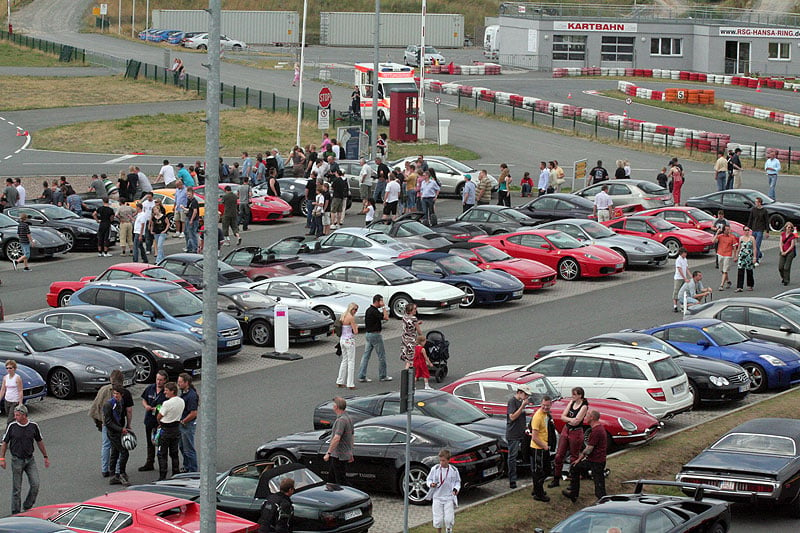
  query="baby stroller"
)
[{"x": 438, "y": 349}]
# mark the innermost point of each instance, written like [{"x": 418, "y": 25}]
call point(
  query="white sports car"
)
[
  {"x": 372, "y": 243},
  {"x": 398, "y": 286}
]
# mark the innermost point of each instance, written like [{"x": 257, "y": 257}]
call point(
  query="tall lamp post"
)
[
  {"x": 421, "y": 98},
  {"x": 133, "y": 18},
  {"x": 8, "y": 19},
  {"x": 302, "y": 67}
]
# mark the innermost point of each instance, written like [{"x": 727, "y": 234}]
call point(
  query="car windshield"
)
[
  {"x": 287, "y": 247},
  {"x": 756, "y": 443},
  {"x": 121, "y": 323},
  {"x": 491, "y": 254},
  {"x": 724, "y": 334},
  {"x": 381, "y": 238},
  {"x": 449, "y": 433},
  {"x": 458, "y": 165},
  {"x": 448, "y": 407},
  {"x": 396, "y": 275},
  {"x": 46, "y": 339},
  {"x": 317, "y": 287},
  {"x": 303, "y": 477},
  {"x": 458, "y": 266},
  {"x": 6, "y": 221},
  {"x": 588, "y": 521},
  {"x": 652, "y": 188},
  {"x": 789, "y": 311},
  {"x": 252, "y": 300},
  {"x": 752, "y": 195},
  {"x": 414, "y": 228},
  {"x": 662, "y": 225},
  {"x": 700, "y": 215},
  {"x": 654, "y": 343},
  {"x": 595, "y": 230},
  {"x": 178, "y": 302},
  {"x": 514, "y": 215},
  {"x": 562, "y": 241},
  {"x": 160, "y": 273},
  {"x": 54, "y": 212}
]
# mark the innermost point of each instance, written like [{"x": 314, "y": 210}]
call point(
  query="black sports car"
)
[
  {"x": 646, "y": 513},
  {"x": 189, "y": 267},
  {"x": 453, "y": 231},
  {"x": 45, "y": 242},
  {"x": 150, "y": 350},
  {"x": 493, "y": 219},
  {"x": 293, "y": 192},
  {"x": 18, "y": 524},
  {"x": 79, "y": 232},
  {"x": 255, "y": 313},
  {"x": 379, "y": 452},
  {"x": 710, "y": 380},
  {"x": 309, "y": 250},
  {"x": 737, "y": 204},
  {"x": 410, "y": 232},
  {"x": 557, "y": 206},
  {"x": 242, "y": 489},
  {"x": 756, "y": 461}
]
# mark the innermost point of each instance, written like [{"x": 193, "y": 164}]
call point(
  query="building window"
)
[
  {"x": 618, "y": 49},
  {"x": 569, "y": 47},
  {"x": 665, "y": 46},
  {"x": 779, "y": 51}
]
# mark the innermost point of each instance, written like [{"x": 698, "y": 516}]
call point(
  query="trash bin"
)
[{"x": 444, "y": 130}]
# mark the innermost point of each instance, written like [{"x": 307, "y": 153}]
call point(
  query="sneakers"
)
[
  {"x": 100, "y": 254},
  {"x": 428, "y": 387},
  {"x": 365, "y": 380},
  {"x": 553, "y": 484},
  {"x": 675, "y": 308},
  {"x": 106, "y": 474},
  {"x": 756, "y": 263},
  {"x": 148, "y": 467},
  {"x": 512, "y": 485},
  {"x": 123, "y": 479},
  {"x": 238, "y": 241},
  {"x": 28, "y": 269},
  {"x": 181, "y": 235},
  {"x": 107, "y": 254},
  {"x": 568, "y": 494},
  {"x": 115, "y": 481},
  {"x": 387, "y": 378}
]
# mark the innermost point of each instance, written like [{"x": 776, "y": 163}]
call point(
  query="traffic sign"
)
[
  {"x": 323, "y": 119},
  {"x": 628, "y": 101},
  {"x": 325, "y": 97},
  {"x": 437, "y": 100}
]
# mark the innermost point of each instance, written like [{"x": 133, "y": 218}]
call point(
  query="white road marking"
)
[
  {"x": 11, "y": 123},
  {"x": 9, "y": 156},
  {"x": 118, "y": 159},
  {"x": 27, "y": 142}
]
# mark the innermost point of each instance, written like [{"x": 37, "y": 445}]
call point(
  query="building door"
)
[{"x": 737, "y": 57}]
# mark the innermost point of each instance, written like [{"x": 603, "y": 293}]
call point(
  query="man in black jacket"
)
[
  {"x": 277, "y": 510},
  {"x": 759, "y": 223},
  {"x": 115, "y": 420}
]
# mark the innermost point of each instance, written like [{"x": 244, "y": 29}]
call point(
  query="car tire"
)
[
  {"x": 61, "y": 384},
  {"x": 459, "y": 189},
  {"x": 695, "y": 392},
  {"x": 237, "y": 48},
  {"x": 12, "y": 249},
  {"x": 776, "y": 222},
  {"x": 303, "y": 208},
  {"x": 673, "y": 245},
  {"x": 325, "y": 311},
  {"x": 145, "y": 371},
  {"x": 758, "y": 378},
  {"x": 260, "y": 333},
  {"x": 171, "y": 222},
  {"x": 569, "y": 269},
  {"x": 624, "y": 256},
  {"x": 418, "y": 487},
  {"x": 469, "y": 295},
  {"x": 398, "y": 304},
  {"x": 201, "y": 47},
  {"x": 281, "y": 457},
  {"x": 719, "y": 527},
  {"x": 70, "y": 238},
  {"x": 63, "y": 298}
]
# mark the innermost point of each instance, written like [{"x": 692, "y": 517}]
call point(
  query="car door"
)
[
  {"x": 426, "y": 269},
  {"x": 630, "y": 383},
  {"x": 692, "y": 340},
  {"x": 590, "y": 192},
  {"x": 621, "y": 194},
  {"x": 594, "y": 374},
  {"x": 638, "y": 228},
  {"x": 678, "y": 218},
  {"x": 537, "y": 248},
  {"x": 768, "y": 325},
  {"x": 13, "y": 347},
  {"x": 371, "y": 464},
  {"x": 736, "y": 316},
  {"x": 542, "y": 208},
  {"x": 472, "y": 393},
  {"x": 287, "y": 292},
  {"x": 556, "y": 369},
  {"x": 496, "y": 395},
  {"x": 736, "y": 206},
  {"x": 236, "y": 493},
  {"x": 79, "y": 327},
  {"x": 338, "y": 278},
  {"x": 138, "y": 306},
  {"x": 364, "y": 281}
]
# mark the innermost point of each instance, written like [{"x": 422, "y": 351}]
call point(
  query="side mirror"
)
[
  {"x": 95, "y": 333},
  {"x": 704, "y": 343},
  {"x": 787, "y": 329},
  {"x": 21, "y": 348},
  {"x": 545, "y": 246},
  {"x": 438, "y": 271},
  {"x": 149, "y": 314},
  {"x": 473, "y": 259}
]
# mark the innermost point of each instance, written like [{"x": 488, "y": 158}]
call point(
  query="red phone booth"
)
[{"x": 403, "y": 113}]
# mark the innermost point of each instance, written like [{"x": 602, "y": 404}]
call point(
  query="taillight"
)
[
  {"x": 657, "y": 394},
  {"x": 462, "y": 236},
  {"x": 328, "y": 519},
  {"x": 464, "y": 458}
]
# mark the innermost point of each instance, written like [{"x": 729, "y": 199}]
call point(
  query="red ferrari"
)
[
  {"x": 61, "y": 291},
  {"x": 571, "y": 258},
  {"x": 696, "y": 241},
  {"x": 133, "y": 511},
  {"x": 490, "y": 391},
  {"x": 262, "y": 208},
  {"x": 691, "y": 218}
]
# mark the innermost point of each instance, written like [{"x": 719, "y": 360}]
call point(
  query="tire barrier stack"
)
[
  {"x": 677, "y": 95},
  {"x": 764, "y": 114},
  {"x": 479, "y": 69}
]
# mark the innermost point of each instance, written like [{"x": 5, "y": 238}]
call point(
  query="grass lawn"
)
[
  {"x": 250, "y": 130},
  {"x": 12, "y": 55},
  {"x": 21, "y": 92},
  {"x": 661, "y": 459}
]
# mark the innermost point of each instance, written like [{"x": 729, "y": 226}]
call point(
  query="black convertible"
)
[
  {"x": 737, "y": 204},
  {"x": 242, "y": 489},
  {"x": 379, "y": 452},
  {"x": 77, "y": 231},
  {"x": 557, "y": 206},
  {"x": 758, "y": 461}
]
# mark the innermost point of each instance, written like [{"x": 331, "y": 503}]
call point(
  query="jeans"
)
[
  {"x": 513, "y": 452},
  {"x": 168, "y": 449},
  {"x": 773, "y": 181},
  {"x": 427, "y": 209},
  {"x": 28, "y": 467},
  {"x": 759, "y": 236},
  {"x": 160, "y": 237},
  {"x": 785, "y": 267},
  {"x": 729, "y": 183},
  {"x": 374, "y": 341},
  {"x": 310, "y": 213},
  {"x": 722, "y": 179},
  {"x": 316, "y": 225},
  {"x": 148, "y": 240},
  {"x": 380, "y": 188},
  {"x": 540, "y": 469},
  {"x": 191, "y": 236},
  {"x": 149, "y": 428},
  {"x": 119, "y": 454},
  {"x": 105, "y": 454},
  {"x": 244, "y": 215},
  {"x": 138, "y": 248},
  {"x": 187, "y": 446}
]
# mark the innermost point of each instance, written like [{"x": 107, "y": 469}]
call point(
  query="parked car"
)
[
  {"x": 792, "y": 296},
  {"x": 45, "y": 242},
  {"x": 257, "y": 265},
  {"x": 34, "y": 389},
  {"x": 167, "y": 197},
  {"x": 161, "y": 35},
  {"x": 451, "y": 230},
  {"x": 309, "y": 250},
  {"x": 481, "y": 287},
  {"x": 693, "y": 218},
  {"x": 557, "y": 206},
  {"x": 379, "y": 454},
  {"x": 695, "y": 241},
  {"x": 410, "y": 232},
  {"x": 189, "y": 267},
  {"x": 189, "y": 35},
  {"x": 490, "y": 391},
  {"x": 412, "y": 54},
  {"x": 642, "y": 512},
  {"x": 243, "y": 489},
  {"x": 60, "y": 291},
  {"x": 737, "y": 204},
  {"x": 569, "y": 257},
  {"x": 68, "y": 367},
  {"x": 293, "y": 192},
  {"x": 256, "y": 315},
  {"x": 757, "y": 461},
  {"x": 449, "y": 172},
  {"x": 164, "y": 306},
  {"x": 129, "y": 510},
  {"x": 372, "y": 243},
  {"x": 642, "y": 193},
  {"x": 149, "y": 350},
  {"x": 636, "y": 251},
  {"x": 17, "y": 524},
  {"x": 262, "y": 208},
  {"x": 493, "y": 219},
  {"x": 397, "y": 286},
  {"x": 770, "y": 365},
  {"x": 144, "y": 33},
  {"x": 200, "y": 42},
  {"x": 77, "y": 231}
]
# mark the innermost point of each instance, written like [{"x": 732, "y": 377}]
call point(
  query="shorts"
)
[
  {"x": 724, "y": 263},
  {"x": 326, "y": 219},
  {"x": 179, "y": 216},
  {"x": 676, "y": 287},
  {"x": 336, "y": 205},
  {"x": 390, "y": 208},
  {"x": 26, "y": 249}
]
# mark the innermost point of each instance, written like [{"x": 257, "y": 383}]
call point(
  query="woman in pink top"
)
[{"x": 787, "y": 252}]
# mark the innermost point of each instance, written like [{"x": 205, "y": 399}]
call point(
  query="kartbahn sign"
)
[{"x": 325, "y": 97}]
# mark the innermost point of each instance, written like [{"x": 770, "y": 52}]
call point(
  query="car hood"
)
[
  {"x": 784, "y": 207},
  {"x": 506, "y": 281},
  {"x": 298, "y": 318},
  {"x": 224, "y": 321},
  {"x": 708, "y": 366},
  {"x": 177, "y": 343},
  {"x": 431, "y": 290},
  {"x": 613, "y": 409},
  {"x": 76, "y": 223},
  {"x": 648, "y": 245},
  {"x": 718, "y": 460},
  {"x": 493, "y": 427},
  {"x": 601, "y": 252},
  {"x": 47, "y": 237},
  {"x": 102, "y": 358},
  {"x": 758, "y": 346},
  {"x": 698, "y": 234},
  {"x": 525, "y": 267}
]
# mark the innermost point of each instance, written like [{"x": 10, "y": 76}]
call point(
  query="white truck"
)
[
  {"x": 491, "y": 41},
  {"x": 390, "y": 76}
]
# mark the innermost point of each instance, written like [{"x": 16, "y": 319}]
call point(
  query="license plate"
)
[
  {"x": 127, "y": 383},
  {"x": 453, "y": 306},
  {"x": 677, "y": 389},
  {"x": 233, "y": 343},
  {"x": 490, "y": 471},
  {"x": 518, "y": 293},
  {"x": 355, "y": 513},
  {"x": 727, "y": 485},
  {"x": 197, "y": 371},
  {"x": 619, "y": 265},
  {"x": 743, "y": 388}
]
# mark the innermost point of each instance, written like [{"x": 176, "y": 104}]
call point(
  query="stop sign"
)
[{"x": 324, "y": 97}]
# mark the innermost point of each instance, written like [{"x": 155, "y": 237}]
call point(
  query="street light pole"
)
[
  {"x": 133, "y": 18},
  {"x": 374, "y": 124},
  {"x": 8, "y": 19},
  {"x": 119, "y": 18},
  {"x": 147, "y": 15},
  {"x": 421, "y": 98},
  {"x": 302, "y": 68}
]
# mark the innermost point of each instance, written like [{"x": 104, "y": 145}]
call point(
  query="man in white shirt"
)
[
  {"x": 603, "y": 205},
  {"x": 21, "y": 191},
  {"x": 391, "y": 198},
  {"x": 167, "y": 175},
  {"x": 681, "y": 276},
  {"x": 772, "y": 167},
  {"x": 144, "y": 181},
  {"x": 139, "y": 227},
  {"x": 544, "y": 178},
  {"x": 365, "y": 179},
  {"x": 169, "y": 419}
]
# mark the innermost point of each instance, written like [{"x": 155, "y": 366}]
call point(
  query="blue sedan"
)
[
  {"x": 770, "y": 365},
  {"x": 479, "y": 286},
  {"x": 33, "y": 386}
]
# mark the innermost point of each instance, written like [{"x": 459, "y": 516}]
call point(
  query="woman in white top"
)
[
  {"x": 11, "y": 391},
  {"x": 347, "y": 368},
  {"x": 445, "y": 483}
]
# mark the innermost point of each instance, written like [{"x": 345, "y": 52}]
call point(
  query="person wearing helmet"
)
[{"x": 115, "y": 421}]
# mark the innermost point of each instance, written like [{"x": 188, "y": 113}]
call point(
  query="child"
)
[
  {"x": 662, "y": 177},
  {"x": 368, "y": 211},
  {"x": 445, "y": 482},
  {"x": 422, "y": 364},
  {"x": 527, "y": 184}
]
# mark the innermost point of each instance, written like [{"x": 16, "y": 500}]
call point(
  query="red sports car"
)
[
  {"x": 262, "y": 208},
  {"x": 60, "y": 291},
  {"x": 490, "y": 391},
  {"x": 133, "y": 511},
  {"x": 571, "y": 258},
  {"x": 691, "y": 218},
  {"x": 696, "y": 241}
]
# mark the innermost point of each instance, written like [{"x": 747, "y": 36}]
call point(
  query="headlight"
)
[
  {"x": 94, "y": 370},
  {"x": 771, "y": 359},
  {"x": 196, "y": 330},
  {"x": 165, "y": 354},
  {"x": 719, "y": 381},
  {"x": 590, "y": 256},
  {"x": 626, "y": 424},
  {"x": 490, "y": 284},
  {"x": 84, "y": 230},
  {"x": 34, "y": 242}
]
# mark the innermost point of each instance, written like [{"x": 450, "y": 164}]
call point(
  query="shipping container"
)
[
  {"x": 252, "y": 27},
  {"x": 397, "y": 29}
]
